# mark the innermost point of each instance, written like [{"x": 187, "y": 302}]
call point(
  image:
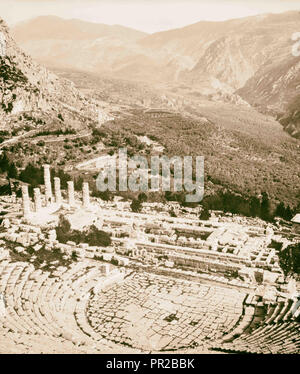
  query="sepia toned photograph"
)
[{"x": 149, "y": 179}]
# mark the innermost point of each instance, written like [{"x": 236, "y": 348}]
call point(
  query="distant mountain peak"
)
[{"x": 53, "y": 27}]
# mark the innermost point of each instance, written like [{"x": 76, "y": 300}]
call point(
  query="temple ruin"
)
[
  {"x": 42, "y": 202},
  {"x": 165, "y": 283}
]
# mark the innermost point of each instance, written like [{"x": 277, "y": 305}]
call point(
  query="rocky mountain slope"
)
[
  {"x": 275, "y": 84},
  {"x": 31, "y": 95},
  {"x": 238, "y": 60},
  {"x": 275, "y": 88},
  {"x": 250, "y": 57},
  {"x": 230, "y": 51},
  {"x": 291, "y": 118},
  {"x": 52, "y": 27},
  {"x": 87, "y": 46},
  {"x": 245, "y": 151}
]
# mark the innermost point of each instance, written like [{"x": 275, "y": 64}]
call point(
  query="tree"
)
[
  {"x": 105, "y": 195},
  {"x": 168, "y": 196},
  {"x": 289, "y": 259},
  {"x": 4, "y": 162},
  {"x": 60, "y": 117},
  {"x": 254, "y": 207},
  {"x": 97, "y": 237},
  {"x": 32, "y": 175},
  {"x": 265, "y": 207},
  {"x": 63, "y": 230},
  {"x": 64, "y": 177},
  {"x": 136, "y": 206},
  {"x": 12, "y": 171},
  {"x": 172, "y": 213},
  {"x": 78, "y": 183},
  {"x": 205, "y": 214},
  {"x": 142, "y": 197},
  {"x": 93, "y": 236},
  {"x": 288, "y": 213},
  {"x": 280, "y": 210}
]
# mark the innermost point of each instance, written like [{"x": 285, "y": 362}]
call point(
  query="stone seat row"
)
[
  {"x": 38, "y": 304},
  {"x": 266, "y": 328}
]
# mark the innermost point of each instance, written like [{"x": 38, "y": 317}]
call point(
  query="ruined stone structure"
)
[
  {"x": 37, "y": 200},
  {"x": 85, "y": 195},
  {"x": 57, "y": 191},
  {"x": 47, "y": 181},
  {"x": 26, "y": 201},
  {"x": 105, "y": 269},
  {"x": 209, "y": 285},
  {"x": 38, "y": 206},
  {"x": 71, "y": 198},
  {"x": 296, "y": 224}
]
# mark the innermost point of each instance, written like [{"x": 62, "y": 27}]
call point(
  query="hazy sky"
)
[{"x": 145, "y": 15}]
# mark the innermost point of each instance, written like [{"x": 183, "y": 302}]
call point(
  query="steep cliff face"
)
[
  {"x": 275, "y": 84},
  {"x": 275, "y": 88},
  {"x": 252, "y": 57},
  {"x": 290, "y": 119},
  {"x": 27, "y": 87},
  {"x": 231, "y": 51}
]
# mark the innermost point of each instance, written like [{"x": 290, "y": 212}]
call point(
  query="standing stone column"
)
[
  {"x": 47, "y": 182},
  {"x": 57, "y": 191},
  {"x": 37, "y": 200},
  {"x": 26, "y": 201},
  {"x": 71, "y": 199},
  {"x": 85, "y": 195},
  {"x": 105, "y": 269}
]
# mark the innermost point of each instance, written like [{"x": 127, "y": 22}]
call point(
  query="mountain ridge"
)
[
  {"x": 179, "y": 53},
  {"x": 240, "y": 60},
  {"x": 73, "y": 28},
  {"x": 30, "y": 88}
]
